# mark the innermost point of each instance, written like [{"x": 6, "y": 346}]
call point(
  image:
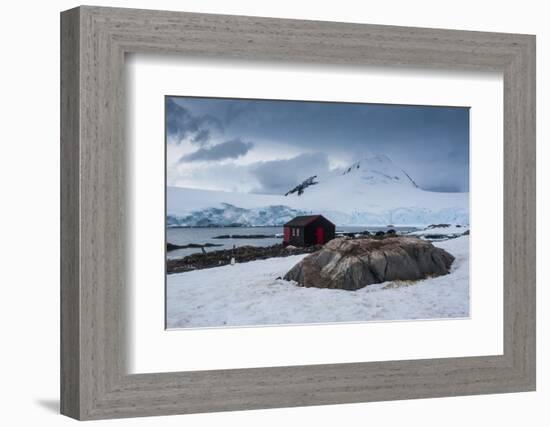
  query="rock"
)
[
  {"x": 354, "y": 264},
  {"x": 198, "y": 261},
  {"x": 437, "y": 236},
  {"x": 173, "y": 247},
  {"x": 245, "y": 236}
]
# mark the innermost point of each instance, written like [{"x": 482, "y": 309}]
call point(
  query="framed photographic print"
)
[
  {"x": 290, "y": 203},
  {"x": 262, "y": 213}
]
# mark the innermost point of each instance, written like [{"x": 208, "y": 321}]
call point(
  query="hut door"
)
[
  {"x": 320, "y": 233},
  {"x": 286, "y": 237}
]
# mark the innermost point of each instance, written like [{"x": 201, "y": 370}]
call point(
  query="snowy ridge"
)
[
  {"x": 379, "y": 169},
  {"x": 299, "y": 189},
  {"x": 447, "y": 230},
  {"x": 229, "y": 215},
  {"x": 372, "y": 191}
]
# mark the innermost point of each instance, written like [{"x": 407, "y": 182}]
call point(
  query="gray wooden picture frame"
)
[{"x": 94, "y": 381}]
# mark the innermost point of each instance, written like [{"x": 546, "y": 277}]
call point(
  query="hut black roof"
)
[{"x": 301, "y": 221}]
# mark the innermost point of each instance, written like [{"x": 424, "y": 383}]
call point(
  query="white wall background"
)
[{"x": 29, "y": 225}]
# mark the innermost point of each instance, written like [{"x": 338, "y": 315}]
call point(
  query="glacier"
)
[{"x": 370, "y": 192}]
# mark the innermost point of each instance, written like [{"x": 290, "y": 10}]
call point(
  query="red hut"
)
[{"x": 308, "y": 230}]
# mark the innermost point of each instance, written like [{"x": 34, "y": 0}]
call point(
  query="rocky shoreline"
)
[
  {"x": 246, "y": 236},
  {"x": 217, "y": 258},
  {"x": 173, "y": 247},
  {"x": 241, "y": 254}
]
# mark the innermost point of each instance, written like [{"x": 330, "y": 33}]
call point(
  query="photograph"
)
[
  {"x": 297, "y": 212},
  {"x": 255, "y": 214}
]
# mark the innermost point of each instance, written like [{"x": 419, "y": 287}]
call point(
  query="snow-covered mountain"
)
[
  {"x": 372, "y": 191},
  {"x": 379, "y": 169},
  {"x": 230, "y": 215}
]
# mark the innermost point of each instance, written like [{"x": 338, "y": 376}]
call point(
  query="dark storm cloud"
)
[
  {"x": 236, "y": 110},
  {"x": 279, "y": 176},
  {"x": 430, "y": 143},
  {"x": 180, "y": 123},
  {"x": 201, "y": 137},
  {"x": 232, "y": 149}
]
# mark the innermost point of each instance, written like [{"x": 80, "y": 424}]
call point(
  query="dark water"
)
[{"x": 185, "y": 236}]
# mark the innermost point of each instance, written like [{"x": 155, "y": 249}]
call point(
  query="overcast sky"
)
[{"x": 270, "y": 146}]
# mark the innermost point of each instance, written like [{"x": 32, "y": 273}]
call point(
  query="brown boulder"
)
[{"x": 352, "y": 264}]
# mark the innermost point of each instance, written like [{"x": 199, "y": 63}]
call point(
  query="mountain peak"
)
[
  {"x": 379, "y": 169},
  {"x": 362, "y": 175}
]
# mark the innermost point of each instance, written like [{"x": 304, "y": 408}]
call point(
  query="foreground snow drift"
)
[{"x": 250, "y": 294}]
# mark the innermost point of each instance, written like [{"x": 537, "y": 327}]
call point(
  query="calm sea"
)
[{"x": 185, "y": 236}]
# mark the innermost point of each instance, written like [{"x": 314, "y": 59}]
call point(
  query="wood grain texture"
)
[
  {"x": 70, "y": 292},
  {"x": 94, "y": 197}
]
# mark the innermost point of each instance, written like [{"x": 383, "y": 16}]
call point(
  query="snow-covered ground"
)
[
  {"x": 250, "y": 294},
  {"x": 450, "y": 231}
]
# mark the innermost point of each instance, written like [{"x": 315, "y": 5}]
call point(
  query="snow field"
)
[{"x": 250, "y": 294}]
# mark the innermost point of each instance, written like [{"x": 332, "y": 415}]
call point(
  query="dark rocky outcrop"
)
[
  {"x": 173, "y": 247},
  {"x": 353, "y": 234},
  {"x": 352, "y": 264},
  {"x": 301, "y": 187},
  {"x": 245, "y": 236},
  {"x": 241, "y": 254}
]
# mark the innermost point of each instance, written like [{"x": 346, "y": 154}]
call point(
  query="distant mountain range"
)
[{"x": 372, "y": 191}]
